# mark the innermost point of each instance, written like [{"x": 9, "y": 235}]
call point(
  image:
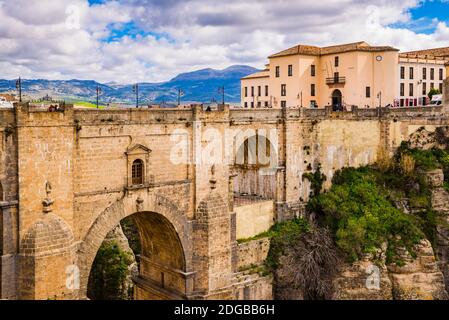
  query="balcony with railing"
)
[{"x": 335, "y": 80}]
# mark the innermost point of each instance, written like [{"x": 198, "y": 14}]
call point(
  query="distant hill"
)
[{"x": 198, "y": 86}]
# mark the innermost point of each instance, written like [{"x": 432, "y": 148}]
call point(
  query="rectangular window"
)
[
  {"x": 313, "y": 104},
  {"x": 441, "y": 88},
  {"x": 441, "y": 74},
  {"x": 368, "y": 92},
  {"x": 402, "y": 90},
  {"x": 402, "y": 72},
  {"x": 312, "y": 90},
  {"x": 252, "y": 91},
  {"x": 259, "y": 91},
  {"x": 266, "y": 104},
  {"x": 432, "y": 74},
  {"x": 252, "y": 105},
  {"x": 259, "y": 104},
  {"x": 411, "y": 73},
  {"x": 432, "y": 85},
  {"x": 337, "y": 61},
  {"x": 410, "y": 89},
  {"x": 283, "y": 90},
  {"x": 278, "y": 72},
  {"x": 401, "y": 103},
  {"x": 313, "y": 70},
  {"x": 424, "y": 88},
  {"x": 246, "y": 105},
  {"x": 266, "y": 91},
  {"x": 290, "y": 70},
  {"x": 424, "y": 73},
  {"x": 246, "y": 91},
  {"x": 283, "y": 104}
]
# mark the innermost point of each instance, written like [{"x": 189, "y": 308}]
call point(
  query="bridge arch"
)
[{"x": 166, "y": 253}]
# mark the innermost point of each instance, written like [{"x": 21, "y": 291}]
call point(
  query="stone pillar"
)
[
  {"x": 8, "y": 249},
  {"x": 212, "y": 252},
  {"x": 47, "y": 269}
]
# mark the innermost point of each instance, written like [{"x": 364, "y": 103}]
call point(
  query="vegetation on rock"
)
[{"x": 109, "y": 273}]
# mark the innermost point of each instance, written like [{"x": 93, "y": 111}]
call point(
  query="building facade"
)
[
  {"x": 419, "y": 73},
  {"x": 342, "y": 76}
]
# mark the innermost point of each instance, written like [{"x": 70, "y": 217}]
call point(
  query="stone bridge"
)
[{"x": 192, "y": 180}]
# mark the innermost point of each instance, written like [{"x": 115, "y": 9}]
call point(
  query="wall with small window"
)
[{"x": 138, "y": 159}]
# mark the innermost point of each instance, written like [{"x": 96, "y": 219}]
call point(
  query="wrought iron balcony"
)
[{"x": 336, "y": 80}]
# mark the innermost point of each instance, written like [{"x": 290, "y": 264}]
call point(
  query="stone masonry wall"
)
[{"x": 85, "y": 156}]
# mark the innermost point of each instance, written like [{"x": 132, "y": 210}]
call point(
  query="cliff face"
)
[{"x": 425, "y": 277}]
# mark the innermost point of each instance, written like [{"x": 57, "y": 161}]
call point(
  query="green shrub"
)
[
  {"x": 109, "y": 272},
  {"x": 362, "y": 217}
]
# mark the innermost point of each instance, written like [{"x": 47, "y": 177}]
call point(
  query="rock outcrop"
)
[{"x": 418, "y": 279}]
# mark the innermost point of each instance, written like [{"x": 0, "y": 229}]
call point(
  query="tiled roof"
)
[
  {"x": 429, "y": 53},
  {"x": 317, "y": 51},
  {"x": 260, "y": 74}
]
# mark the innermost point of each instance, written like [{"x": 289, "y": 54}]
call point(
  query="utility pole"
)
[
  {"x": 301, "y": 98},
  {"x": 136, "y": 91},
  {"x": 222, "y": 91},
  {"x": 19, "y": 87},
  {"x": 180, "y": 94},
  {"x": 99, "y": 91}
]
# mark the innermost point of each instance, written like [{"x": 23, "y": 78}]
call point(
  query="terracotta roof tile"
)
[
  {"x": 317, "y": 51},
  {"x": 260, "y": 74},
  {"x": 428, "y": 53}
]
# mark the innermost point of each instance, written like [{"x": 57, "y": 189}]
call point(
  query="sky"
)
[{"x": 127, "y": 41}]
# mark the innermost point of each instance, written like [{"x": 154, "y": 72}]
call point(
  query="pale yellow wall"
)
[
  {"x": 292, "y": 82},
  {"x": 361, "y": 70},
  {"x": 254, "y": 219},
  {"x": 255, "y": 82}
]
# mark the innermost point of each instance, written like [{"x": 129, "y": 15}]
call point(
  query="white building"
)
[{"x": 420, "y": 72}]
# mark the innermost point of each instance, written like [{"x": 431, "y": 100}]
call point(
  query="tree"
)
[{"x": 433, "y": 92}]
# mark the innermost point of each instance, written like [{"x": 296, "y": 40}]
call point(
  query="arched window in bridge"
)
[{"x": 137, "y": 172}]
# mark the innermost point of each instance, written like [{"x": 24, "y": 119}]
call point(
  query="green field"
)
[{"x": 88, "y": 105}]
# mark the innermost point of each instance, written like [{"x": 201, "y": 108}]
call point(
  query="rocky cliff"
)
[{"x": 423, "y": 277}]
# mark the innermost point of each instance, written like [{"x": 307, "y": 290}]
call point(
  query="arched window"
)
[
  {"x": 2, "y": 197},
  {"x": 137, "y": 172}
]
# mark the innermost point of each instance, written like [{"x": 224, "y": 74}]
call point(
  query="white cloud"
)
[{"x": 65, "y": 39}]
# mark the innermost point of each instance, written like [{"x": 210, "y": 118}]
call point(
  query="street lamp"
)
[
  {"x": 379, "y": 95},
  {"x": 136, "y": 91},
  {"x": 99, "y": 91},
  {"x": 180, "y": 94},
  {"x": 221, "y": 90},
  {"x": 19, "y": 87}
]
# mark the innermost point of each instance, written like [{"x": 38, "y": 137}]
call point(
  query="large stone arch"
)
[{"x": 137, "y": 203}]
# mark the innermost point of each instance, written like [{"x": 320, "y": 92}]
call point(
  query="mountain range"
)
[{"x": 197, "y": 86}]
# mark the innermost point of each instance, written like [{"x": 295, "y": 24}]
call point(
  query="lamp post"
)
[
  {"x": 180, "y": 94},
  {"x": 136, "y": 91},
  {"x": 99, "y": 91},
  {"x": 379, "y": 95},
  {"x": 221, "y": 90},
  {"x": 19, "y": 87}
]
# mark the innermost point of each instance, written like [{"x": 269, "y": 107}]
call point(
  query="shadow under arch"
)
[{"x": 165, "y": 257}]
